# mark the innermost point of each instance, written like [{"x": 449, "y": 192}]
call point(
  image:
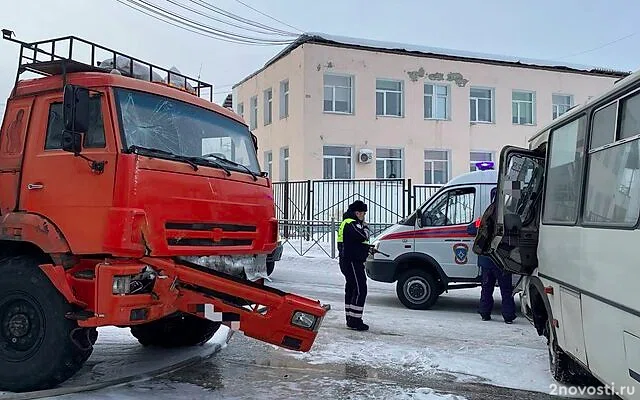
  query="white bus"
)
[{"x": 567, "y": 218}]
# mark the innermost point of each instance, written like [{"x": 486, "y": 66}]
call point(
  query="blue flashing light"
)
[{"x": 484, "y": 165}]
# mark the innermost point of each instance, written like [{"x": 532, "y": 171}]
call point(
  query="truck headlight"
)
[
  {"x": 121, "y": 284},
  {"x": 303, "y": 320}
]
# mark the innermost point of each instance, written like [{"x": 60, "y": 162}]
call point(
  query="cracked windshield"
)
[{"x": 168, "y": 125}]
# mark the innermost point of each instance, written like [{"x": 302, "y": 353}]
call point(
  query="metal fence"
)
[{"x": 308, "y": 206}]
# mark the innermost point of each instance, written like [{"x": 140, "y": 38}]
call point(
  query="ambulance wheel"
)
[
  {"x": 39, "y": 347},
  {"x": 417, "y": 289},
  {"x": 178, "y": 330}
]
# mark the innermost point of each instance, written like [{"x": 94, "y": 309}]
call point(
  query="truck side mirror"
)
[
  {"x": 75, "y": 108},
  {"x": 71, "y": 141}
]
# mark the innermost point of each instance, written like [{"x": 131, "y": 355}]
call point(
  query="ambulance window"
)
[
  {"x": 613, "y": 176},
  {"x": 564, "y": 173},
  {"x": 454, "y": 207}
]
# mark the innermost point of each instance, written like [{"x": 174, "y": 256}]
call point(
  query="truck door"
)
[
  {"x": 61, "y": 186},
  {"x": 442, "y": 231},
  {"x": 514, "y": 238}
]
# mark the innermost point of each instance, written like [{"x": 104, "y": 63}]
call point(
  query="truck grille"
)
[{"x": 209, "y": 234}]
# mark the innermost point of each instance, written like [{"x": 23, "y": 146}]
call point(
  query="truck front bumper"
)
[{"x": 381, "y": 270}]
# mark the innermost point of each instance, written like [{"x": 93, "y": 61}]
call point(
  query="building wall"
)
[
  {"x": 309, "y": 128},
  {"x": 281, "y": 132}
]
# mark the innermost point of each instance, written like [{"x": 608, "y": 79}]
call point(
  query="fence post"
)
[
  {"x": 309, "y": 225},
  {"x": 333, "y": 237},
  {"x": 285, "y": 208},
  {"x": 409, "y": 197}
]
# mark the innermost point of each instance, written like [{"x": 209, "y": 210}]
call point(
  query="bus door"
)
[{"x": 514, "y": 240}]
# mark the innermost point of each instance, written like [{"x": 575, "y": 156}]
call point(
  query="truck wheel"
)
[
  {"x": 417, "y": 289},
  {"x": 271, "y": 265},
  {"x": 39, "y": 347},
  {"x": 179, "y": 330}
]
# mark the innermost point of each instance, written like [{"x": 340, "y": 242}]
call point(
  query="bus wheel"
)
[
  {"x": 563, "y": 368},
  {"x": 39, "y": 347},
  {"x": 179, "y": 330},
  {"x": 417, "y": 289}
]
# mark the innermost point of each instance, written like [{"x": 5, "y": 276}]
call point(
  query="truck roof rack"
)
[{"x": 63, "y": 55}]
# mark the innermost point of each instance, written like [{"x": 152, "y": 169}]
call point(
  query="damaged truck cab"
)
[{"x": 129, "y": 200}]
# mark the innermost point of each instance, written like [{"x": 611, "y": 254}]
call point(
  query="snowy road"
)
[{"x": 443, "y": 353}]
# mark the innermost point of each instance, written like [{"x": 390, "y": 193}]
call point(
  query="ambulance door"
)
[{"x": 441, "y": 232}]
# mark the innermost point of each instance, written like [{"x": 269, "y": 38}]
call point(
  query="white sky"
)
[{"x": 545, "y": 29}]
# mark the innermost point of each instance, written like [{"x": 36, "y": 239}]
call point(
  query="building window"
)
[
  {"x": 564, "y": 175},
  {"x": 561, "y": 104},
  {"x": 268, "y": 106},
  {"x": 436, "y": 101},
  {"x": 436, "y": 167},
  {"x": 388, "y": 163},
  {"x": 523, "y": 105},
  {"x": 240, "y": 110},
  {"x": 338, "y": 94},
  {"x": 268, "y": 162},
  {"x": 479, "y": 156},
  {"x": 284, "y": 99},
  {"x": 336, "y": 161},
  {"x": 253, "y": 109},
  {"x": 284, "y": 163},
  {"x": 481, "y": 105},
  {"x": 388, "y": 98}
]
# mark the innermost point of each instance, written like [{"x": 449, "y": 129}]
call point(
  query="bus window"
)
[{"x": 564, "y": 175}]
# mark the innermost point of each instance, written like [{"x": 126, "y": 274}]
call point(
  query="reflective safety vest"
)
[
  {"x": 341, "y": 231},
  {"x": 341, "y": 228}
]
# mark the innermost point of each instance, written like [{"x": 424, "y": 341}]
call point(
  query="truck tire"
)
[
  {"x": 417, "y": 289},
  {"x": 179, "y": 330},
  {"x": 39, "y": 347}
]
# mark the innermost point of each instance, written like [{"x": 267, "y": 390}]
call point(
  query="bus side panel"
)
[{"x": 612, "y": 337}]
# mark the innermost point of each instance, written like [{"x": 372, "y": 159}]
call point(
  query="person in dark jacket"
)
[
  {"x": 353, "y": 247},
  {"x": 490, "y": 271}
]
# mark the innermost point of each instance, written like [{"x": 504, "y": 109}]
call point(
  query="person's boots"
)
[
  {"x": 357, "y": 325},
  {"x": 486, "y": 317}
]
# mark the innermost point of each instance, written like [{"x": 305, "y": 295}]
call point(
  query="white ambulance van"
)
[{"x": 430, "y": 251}]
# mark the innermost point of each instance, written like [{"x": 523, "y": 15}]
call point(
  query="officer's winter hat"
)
[{"x": 358, "y": 205}]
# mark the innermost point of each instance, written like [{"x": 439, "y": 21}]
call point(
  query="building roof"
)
[{"x": 437, "y": 52}]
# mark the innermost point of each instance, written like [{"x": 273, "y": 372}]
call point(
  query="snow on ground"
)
[
  {"x": 118, "y": 354},
  {"x": 449, "y": 338}
]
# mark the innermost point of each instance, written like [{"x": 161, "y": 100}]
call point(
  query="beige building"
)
[{"x": 339, "y": 108}]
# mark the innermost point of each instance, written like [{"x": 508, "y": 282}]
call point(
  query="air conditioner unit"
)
[{"x": 365, "y": 156}]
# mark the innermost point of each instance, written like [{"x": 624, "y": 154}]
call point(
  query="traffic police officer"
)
[{"x": 353, "y": 248}]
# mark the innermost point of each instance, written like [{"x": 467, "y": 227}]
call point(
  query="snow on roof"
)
[{"x": 436, "y": 52}]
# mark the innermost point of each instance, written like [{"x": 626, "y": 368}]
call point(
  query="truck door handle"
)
[{"x": 35, "y": 186}]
